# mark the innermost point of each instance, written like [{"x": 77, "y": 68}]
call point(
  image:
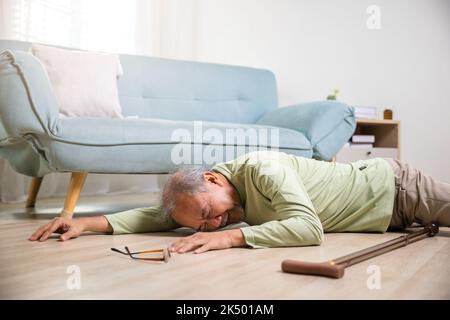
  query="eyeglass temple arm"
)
[
  {"x": 129, "y": 253},
  {"x": 166, "y": 253},
  {"x": 117, "y": 250},
  {"x": 148, "y": 251},
  {"x": 137, "y": 252}
]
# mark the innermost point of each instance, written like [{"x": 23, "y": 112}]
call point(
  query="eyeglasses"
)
[{"x": 165, "y": 252}]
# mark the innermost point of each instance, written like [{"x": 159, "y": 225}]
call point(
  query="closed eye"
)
[{"x": 205, "y": 216}]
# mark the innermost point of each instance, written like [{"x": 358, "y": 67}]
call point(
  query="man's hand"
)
[
  {"x": 204, "y": 241},
  {"x": 71, "y": 228},
  {"x": 68, "y": 228}
]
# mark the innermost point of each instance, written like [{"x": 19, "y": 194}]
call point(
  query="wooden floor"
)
[{"x": 31, "y": 270}]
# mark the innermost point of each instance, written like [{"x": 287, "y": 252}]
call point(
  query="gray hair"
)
[{"x": 187, "y": 179}]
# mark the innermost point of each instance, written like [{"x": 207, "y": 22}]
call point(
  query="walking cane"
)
[{"x": 335, "y": 268}]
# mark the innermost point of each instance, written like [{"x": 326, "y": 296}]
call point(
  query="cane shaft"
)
[
  {"x": 335, "y": 268},
  {"x": 381, "y": 248}
]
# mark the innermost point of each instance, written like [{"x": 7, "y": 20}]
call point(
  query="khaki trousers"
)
[{"x": 418, "y": 198}]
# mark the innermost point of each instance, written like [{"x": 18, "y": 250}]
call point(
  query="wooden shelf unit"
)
[{"x": 387, "y": 141}]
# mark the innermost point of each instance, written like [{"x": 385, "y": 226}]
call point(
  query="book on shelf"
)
[
  {"x": 363, "y": 138},
  {"x": 365, "y": 116},
  {"x": 358, "y": 145},
  {"x": 365, "y": 112},
  {"x": 365, "y": 109}
]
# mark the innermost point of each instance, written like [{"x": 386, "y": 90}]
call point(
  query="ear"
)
[{"x": 212, "y": 177}]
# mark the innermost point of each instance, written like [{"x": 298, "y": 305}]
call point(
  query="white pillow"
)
[{"x": 85, "y": 83}]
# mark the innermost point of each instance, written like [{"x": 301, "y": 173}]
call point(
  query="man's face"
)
[{"x": 210, "y": 210}]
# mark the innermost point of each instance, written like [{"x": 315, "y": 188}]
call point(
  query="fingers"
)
[
  {"x": 178, "y": 244},
  {"x": 202, "y": 242},
  {"x": 184, "y": 246},
  {"x": 203, "y": 248},
  {"x": 38, "y": 233},
  {"x": 189, "y": 247},
  {"x": 71, "y": 233},
  {"x": 52, "y": 228},
  {"x": 187, "y": 244},
  {"x": 46, "y": 230}
]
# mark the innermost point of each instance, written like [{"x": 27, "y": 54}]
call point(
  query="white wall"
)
[{"x": 315, "y": 46}]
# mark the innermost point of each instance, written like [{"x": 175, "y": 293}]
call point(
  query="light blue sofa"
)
[{"x": 158, "y": 96}]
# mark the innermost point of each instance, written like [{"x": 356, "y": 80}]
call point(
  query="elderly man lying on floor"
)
[{"x": 286, "y": 200}]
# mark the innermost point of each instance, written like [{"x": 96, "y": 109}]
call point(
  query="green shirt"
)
[{"x": 292, "y": 201}]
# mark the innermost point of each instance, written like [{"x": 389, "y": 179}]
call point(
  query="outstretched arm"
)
[
  {"x": 71, "y": 228},
  {"x": 141, "y": 220},
  {"x": 131, "y": 221}
]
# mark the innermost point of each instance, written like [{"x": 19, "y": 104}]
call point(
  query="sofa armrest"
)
[
  {"x": 27, "y": 102},
  {"x": 326, "y": 124}
]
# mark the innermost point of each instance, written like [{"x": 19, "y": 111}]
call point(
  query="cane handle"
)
[{"x": 328, "y": 268}]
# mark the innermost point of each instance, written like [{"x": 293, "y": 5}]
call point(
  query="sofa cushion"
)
[
  {"x": 130, "y": 158},
  {"x": 158, "y": 145},
  {"x": 91, "y": 131}
]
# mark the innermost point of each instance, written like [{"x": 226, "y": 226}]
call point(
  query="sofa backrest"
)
[{"x": 185, "y": 90}]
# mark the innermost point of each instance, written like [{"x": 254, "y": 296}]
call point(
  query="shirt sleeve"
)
[
  {"x": 298, "y": 225},
  {"x": 140, "y": 220}
]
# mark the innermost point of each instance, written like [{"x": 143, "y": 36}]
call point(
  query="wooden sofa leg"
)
[
  {"x": 35, "y": 185},
  {"x": 75, "y": 185}
]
